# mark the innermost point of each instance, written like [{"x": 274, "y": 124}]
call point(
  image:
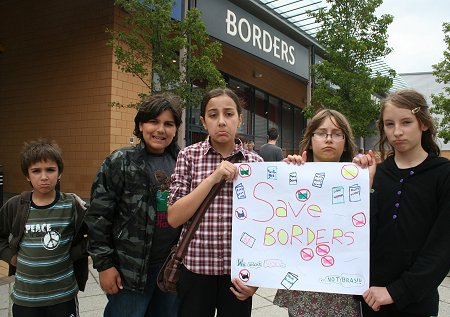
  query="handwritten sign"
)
[{"x": 302, "y": 227}]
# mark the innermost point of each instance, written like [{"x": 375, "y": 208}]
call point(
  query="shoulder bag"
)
[{"x": 169, "y": 273}]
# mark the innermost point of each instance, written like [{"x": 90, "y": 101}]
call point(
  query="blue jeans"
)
[{"x": 152, "y": 303}]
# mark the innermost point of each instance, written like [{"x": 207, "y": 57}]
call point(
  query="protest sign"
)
[{"x": 302, "y": 227}]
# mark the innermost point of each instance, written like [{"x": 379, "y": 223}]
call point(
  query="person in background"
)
[
  {"x": 328, "y": 138},
  {"x": 43, "y": 235},
  {"x": 251, "y": 146},
  {"x": 205, "y": 283},
  {"x": 129, "y": 234},
  {"x": 270, "y": 152},
  {"x": 410, "y": 211}
]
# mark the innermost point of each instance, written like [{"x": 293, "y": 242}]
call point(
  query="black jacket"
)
[{"x": 410, "y": 220}]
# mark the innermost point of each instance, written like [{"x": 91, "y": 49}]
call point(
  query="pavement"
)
[{"x": 92, "y": 301}]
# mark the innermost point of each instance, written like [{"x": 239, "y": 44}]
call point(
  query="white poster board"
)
[{"x": 302, "y": 227}]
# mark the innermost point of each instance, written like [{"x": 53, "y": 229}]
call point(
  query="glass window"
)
[
  {"x": 299, "y": 127},
  {"x": 244, "y": 92},
  {"x": 274, "y": 113},
  {"x": 287, "y": 137},
  {"x": 260, "y": 119}
]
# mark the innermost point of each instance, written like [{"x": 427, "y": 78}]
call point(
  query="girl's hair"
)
[
  {"x": 341, "y": 123},
  {"x": 152, "y": 108},
  {"x": 220, "y": 92},
  {"x": 40, "y": 150},
  {"x": 416, "y": 102}
]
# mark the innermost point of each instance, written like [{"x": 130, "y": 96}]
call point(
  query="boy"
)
[{"x": 43, "y": 235}]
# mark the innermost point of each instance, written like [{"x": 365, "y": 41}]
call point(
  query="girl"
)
[
  {"x": 205, "y": 285},
  {"x": 328, "y": 138},
  {"x": 129, "y": 237},
  {"x": 410, "y": 211}
]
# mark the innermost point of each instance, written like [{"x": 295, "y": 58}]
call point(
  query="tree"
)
[
  {"x": 441, "y": 101},
  {"x": 353, "y": 37},
  {"x": 165, "y": 54}
]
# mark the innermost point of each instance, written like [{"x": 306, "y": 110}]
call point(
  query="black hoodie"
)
[{"x": 410, "y": 233}]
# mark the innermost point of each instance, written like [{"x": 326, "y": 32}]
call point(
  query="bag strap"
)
[{"x": 196, "y": 219}]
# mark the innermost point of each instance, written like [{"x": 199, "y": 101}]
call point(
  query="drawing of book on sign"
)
[
  {"x": 240, "y": 192},
  {"x": 293, "y": 178},
  {"x": 318, "y": 180},
  {"x": 271, "y": 172},
  {"x": 354, "y": 193},
  {"x": 247, "y": 239},
  {"x": 289, "y": 280},
  {"x": 338, "y": 195}
]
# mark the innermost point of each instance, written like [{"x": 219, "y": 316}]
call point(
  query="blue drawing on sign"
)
[
  {"x": 338, "y": 195},
  {"x": 248, "y": 240},
  {"x": 289, "y": 280},
  {"x": 240, "y": 192},
  {"x": 318, "y": 180},
  {"x": 293, "y": 178},
  {"x": 354, "y": 193},
  {"x": 271, "y": 172}
]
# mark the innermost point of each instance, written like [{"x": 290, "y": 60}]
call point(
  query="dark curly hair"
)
[{"x": 152, "y": 108}]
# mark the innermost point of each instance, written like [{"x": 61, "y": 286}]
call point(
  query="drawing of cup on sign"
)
[
  {"x": 241, "y": 213},
  {"x": 338, "y": 195},
  {"x": 354, "y": 192},
  {"x": 240, "y": 192},
  {"x": 244, "y": 275},
  {"x": 245, "y": 170},
  {"x": 289, "y": 280},
  {"x": 271, "y": 172},
  {"x": 318, "y": 180},
  {"x": 293, "y": 178},
  {"x": 247, "y": 239},
  {"x": 302, "y": 194}
]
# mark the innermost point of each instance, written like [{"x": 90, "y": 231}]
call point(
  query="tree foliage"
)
[
  {"x": 441, "y": 101},
  {"x": 166, "y": 54},
  {"x": 353, "y": 37}
]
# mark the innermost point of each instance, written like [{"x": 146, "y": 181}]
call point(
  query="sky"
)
[{"x": 415, "y": 35}]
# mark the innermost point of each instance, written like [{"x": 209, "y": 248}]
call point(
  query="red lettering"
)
[{"x": 265, "y": 201}]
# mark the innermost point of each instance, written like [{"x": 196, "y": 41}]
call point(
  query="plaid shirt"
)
[{"x": 209, "y": 252}]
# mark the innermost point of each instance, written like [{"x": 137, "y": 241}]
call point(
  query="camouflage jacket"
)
[{"x": 121, "y": 216}]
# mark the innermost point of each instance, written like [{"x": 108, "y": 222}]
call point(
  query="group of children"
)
[{"x": 134, "y": 217}]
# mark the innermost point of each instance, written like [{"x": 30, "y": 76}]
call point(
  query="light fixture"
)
[{"x": 257, "y": 74}]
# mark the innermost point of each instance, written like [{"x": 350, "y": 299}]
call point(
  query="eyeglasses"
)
[{"x": 334, "y": 136}]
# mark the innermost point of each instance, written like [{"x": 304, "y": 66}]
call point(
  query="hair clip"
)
[{"x": 415, "y": 110}]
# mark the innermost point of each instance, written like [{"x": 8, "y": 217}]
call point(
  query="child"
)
[
  {"x": 328, "y": 138},
  {"x": 410, "y": 211},
  {"x": 42, "y": 234},
  {"x": 205, "y": 283},
  {"x": 129, "y": 234}
]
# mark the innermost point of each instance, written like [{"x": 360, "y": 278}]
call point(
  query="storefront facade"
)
[
  {"x": 267, "y": 67},
  {"x": 58, "y": 77}
]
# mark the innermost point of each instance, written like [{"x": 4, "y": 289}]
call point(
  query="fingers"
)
[
  {"x": 119, "y": 282},
  {"x": 375, "y": 297},
  {"x": 305, "y": 156},
  {"x": 110, "y": 281},
  {"x": 226, "y": 170},
  {"x": 296, "y": 159},
  {"x": 241, "y": 291},
  {"x": 365, "y": 160},
  {"x": 13, "y": 260}
]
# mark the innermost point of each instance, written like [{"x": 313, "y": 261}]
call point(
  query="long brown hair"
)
[
  {"x": 341, "y": 123},
  {"x": 416, "y": 102}
]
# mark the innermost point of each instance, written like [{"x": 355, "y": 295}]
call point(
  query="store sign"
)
[{"x": 230, "y": 24}]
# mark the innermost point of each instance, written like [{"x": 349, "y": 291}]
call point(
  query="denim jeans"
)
[{"x": 152, "y": 303}]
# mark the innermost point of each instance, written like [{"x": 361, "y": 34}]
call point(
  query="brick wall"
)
[{"x": 57, "y": 79}]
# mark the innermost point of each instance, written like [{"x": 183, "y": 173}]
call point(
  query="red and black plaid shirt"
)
[{"x": 209, "y": 252}]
